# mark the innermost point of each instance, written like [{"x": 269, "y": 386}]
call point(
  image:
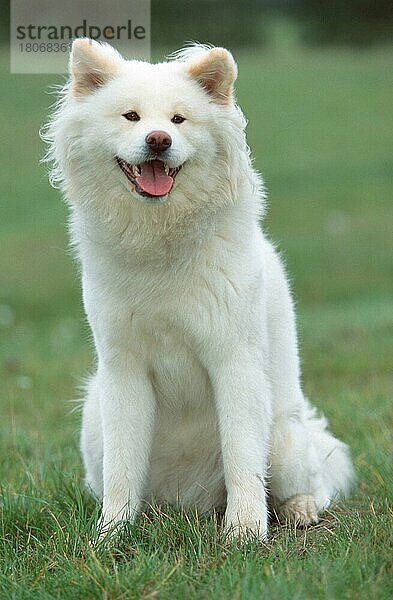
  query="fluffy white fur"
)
[{"x": 197, "y": 397}]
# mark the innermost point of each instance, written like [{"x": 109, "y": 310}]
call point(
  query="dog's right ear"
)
[{"x": 91, "y": 65}]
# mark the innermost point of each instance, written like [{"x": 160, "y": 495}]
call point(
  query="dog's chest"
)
[{"x": 179, "y": 380}]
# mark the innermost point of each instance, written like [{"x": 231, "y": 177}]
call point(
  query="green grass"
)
[{"x": 321, "y": 132}]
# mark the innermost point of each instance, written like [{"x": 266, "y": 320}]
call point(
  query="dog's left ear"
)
[{"x": 216, "y": 71}]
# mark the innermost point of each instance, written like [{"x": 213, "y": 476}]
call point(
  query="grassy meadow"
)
[{"x": 321, "y": 131}]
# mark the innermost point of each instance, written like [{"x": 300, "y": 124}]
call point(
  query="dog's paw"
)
[
  {"x": 245, "y": 532},
  {"x": 244, "y": 527},
  {"x": 109, "y": 526},
  {"x": 300, "y": 510}
]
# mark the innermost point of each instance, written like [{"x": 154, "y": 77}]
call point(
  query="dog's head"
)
[{"x": 148, "y": 132}]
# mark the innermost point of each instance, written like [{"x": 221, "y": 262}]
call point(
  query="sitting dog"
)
[{"x": 196, "y": 399}]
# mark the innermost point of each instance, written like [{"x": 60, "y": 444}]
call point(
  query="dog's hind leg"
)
[{"x": 308, "y": 466}]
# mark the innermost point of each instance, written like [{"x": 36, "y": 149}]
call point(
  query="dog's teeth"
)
[
  {"x": 135, "y": 170},
  {"x": 166, "y": 169}
]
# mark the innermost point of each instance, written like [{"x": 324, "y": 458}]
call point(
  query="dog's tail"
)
[{"x": 334, "y": 456}]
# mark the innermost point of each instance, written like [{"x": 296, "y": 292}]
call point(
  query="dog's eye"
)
[
  {"x": 177, "y": 119},
  {"x": 132, "y": 116}
]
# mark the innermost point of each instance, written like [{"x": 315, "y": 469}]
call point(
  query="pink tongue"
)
[{"x": 153, "y": 180}]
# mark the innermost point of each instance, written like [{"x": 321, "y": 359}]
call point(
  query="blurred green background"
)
[{"x": 315, "y": 83}]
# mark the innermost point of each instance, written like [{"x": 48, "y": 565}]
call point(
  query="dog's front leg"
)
[
  {"x": 242, "y": 397},
  {"x": 127, "y": 412}
]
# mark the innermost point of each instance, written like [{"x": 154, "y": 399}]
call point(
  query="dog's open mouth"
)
[{"x": 153, "y": 178}]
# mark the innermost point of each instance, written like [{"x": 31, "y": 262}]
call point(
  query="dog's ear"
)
[
  {"x": 216, "y": 71},
  {"x": 91, "y": 65}
]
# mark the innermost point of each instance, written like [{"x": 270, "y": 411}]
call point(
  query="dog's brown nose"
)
[{"x": 158, "y": 140}]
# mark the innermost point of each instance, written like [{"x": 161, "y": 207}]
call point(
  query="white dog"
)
[{"x": 197, "y": 397}]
